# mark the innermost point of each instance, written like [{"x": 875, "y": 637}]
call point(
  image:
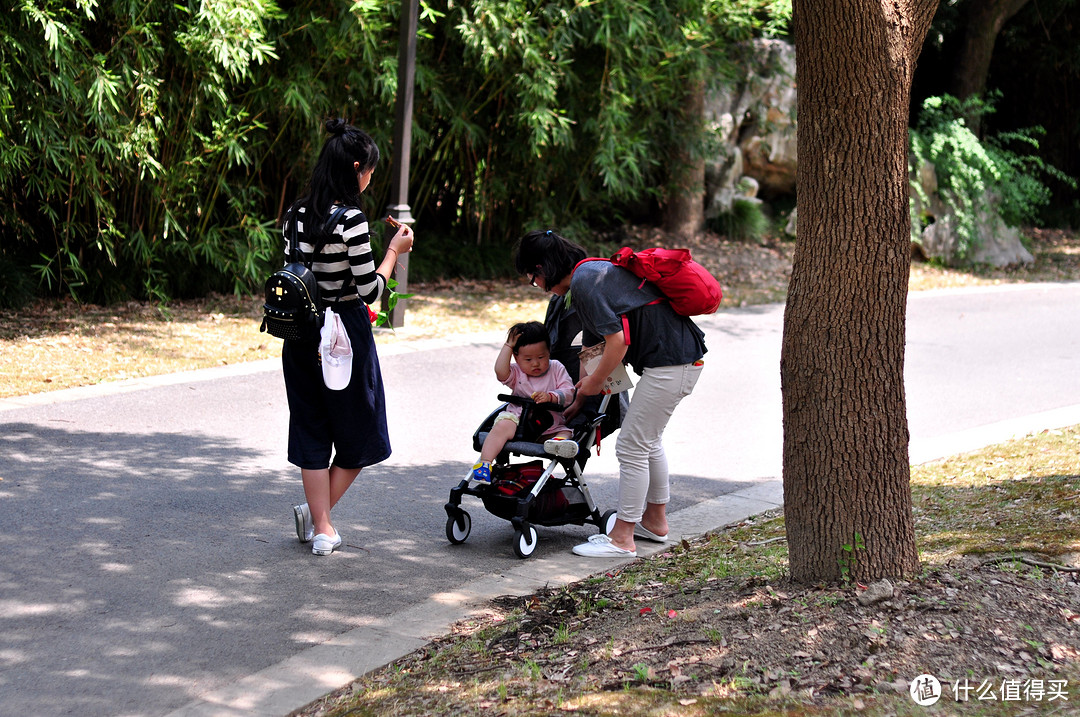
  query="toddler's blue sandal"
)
[{"x": 481, "y": 472}]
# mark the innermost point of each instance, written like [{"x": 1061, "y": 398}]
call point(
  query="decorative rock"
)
[
  {"x": 881, "y": 590},
  {"x": 997, "y": 244},
  {"x": 754, "y": 119}
]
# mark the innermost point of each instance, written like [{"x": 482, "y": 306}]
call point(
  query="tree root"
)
[
  {"x": 765, "y": 542},
  {"x": 1033, "y": 563}
]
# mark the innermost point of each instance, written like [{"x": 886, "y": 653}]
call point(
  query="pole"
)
[{"x": 399, "y": 190}]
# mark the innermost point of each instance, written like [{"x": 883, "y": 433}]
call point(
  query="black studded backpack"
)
[{"x": 291, "y": 310}]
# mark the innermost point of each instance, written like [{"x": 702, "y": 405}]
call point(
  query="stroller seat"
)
[{"x": 519, "y": 448}]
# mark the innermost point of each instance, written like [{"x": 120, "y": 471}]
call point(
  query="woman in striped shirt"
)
[{"x": 350, "y": 424}]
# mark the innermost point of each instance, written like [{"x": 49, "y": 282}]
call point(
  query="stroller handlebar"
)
[{"x": 522, "y": 401}]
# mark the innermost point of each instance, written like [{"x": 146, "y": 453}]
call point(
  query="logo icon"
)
[{"x": 925, "y": 690}]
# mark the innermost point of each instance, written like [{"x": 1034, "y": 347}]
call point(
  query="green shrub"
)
[
  {"x": 746, "y": 221},
  {"x": 969, "y": 171},
  {"x": 125, "y": 140},
  {"x": 450, "y": 257}
]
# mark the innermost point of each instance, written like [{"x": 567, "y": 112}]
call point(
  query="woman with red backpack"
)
[{"x": 640, "y": 329}]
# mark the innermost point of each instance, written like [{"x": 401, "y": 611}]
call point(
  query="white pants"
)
[{"x": 643, "y": 466}]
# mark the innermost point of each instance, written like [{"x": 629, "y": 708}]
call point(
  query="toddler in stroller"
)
[
  {"x": 533, "y": 374},
  {"x": 530, "y": 423}
]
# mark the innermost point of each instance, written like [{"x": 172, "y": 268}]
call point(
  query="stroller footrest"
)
[{"x": 523, "y": 448}]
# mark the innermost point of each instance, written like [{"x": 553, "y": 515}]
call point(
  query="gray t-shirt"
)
[{"x": 602, "y": 294}]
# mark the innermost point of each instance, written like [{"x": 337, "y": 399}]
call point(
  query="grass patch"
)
[{"x": 1022, "y": 497}]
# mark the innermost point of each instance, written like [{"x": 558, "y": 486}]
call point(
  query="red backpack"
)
[{"x": 689, "y": 287}]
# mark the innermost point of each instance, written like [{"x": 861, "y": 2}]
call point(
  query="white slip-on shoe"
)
[
  {"x": 600, "y": 546},
  {"x": 640, "y": 531},
  {"x": 305, "y": 529},
  {"x": 561, "y": 447},
  {"x": 324, "y": 544}
]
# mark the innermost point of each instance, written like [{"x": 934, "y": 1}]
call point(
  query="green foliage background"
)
[
  {"x": 1035, "y": 70},
  {"x": 1005, "y": 166},
  {"x": 147, "y": 149}
]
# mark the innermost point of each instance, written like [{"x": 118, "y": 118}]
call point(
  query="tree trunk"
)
[
  {"x": 847, "y": 494},
  {"x": 684, "y": 210},
  {"x": 983, "y": 21}
]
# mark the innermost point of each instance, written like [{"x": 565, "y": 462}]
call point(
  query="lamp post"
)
[{"x": 399, "y": 190}]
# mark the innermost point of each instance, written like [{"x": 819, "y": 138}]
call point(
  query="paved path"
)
[{"x": 150, "y": 566}]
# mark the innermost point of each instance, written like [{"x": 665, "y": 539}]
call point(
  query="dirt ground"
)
[
  {"x": 957, "y": 623},
  {"x": 992, "y": 634}
]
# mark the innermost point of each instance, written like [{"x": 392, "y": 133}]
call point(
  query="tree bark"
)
[
  {"x": 847, "y": 495},
  {"x": 684, "y": 210}
]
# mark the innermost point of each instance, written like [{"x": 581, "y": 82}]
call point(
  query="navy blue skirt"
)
[{"x": 349, "y": 424}]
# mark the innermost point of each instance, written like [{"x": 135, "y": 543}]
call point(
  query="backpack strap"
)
[
  {"x": 290, "y": 236},
  {"x": 625, "y": 320},
  {"x": 615, "y": 260},
  {"x": 328, "y": 229},
  {"x": 295, "y": 255},
  {"x": 590, "y": 258}
]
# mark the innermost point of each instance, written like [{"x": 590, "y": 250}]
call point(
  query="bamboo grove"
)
[{"x": 147, "y": 149}]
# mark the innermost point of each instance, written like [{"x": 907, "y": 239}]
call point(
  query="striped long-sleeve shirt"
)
[{"x": 348, "y": 250}]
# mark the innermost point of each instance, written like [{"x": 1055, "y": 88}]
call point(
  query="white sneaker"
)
[
  {"x": 305, "y": 529},
  {"x": 324, "y": 544},
  {"x": 561, "y": 447}
]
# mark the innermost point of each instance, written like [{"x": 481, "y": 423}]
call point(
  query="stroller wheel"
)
[
  {"x": 458, "y": 527},
  {"x": 525, "y": 541},
  {"x": 607, "y": 522}
]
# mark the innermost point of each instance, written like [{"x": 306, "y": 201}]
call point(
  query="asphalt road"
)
[{"x": 149, "y": 557}]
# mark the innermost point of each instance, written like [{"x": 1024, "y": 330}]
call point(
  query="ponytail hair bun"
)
[{"x": 337, "y": 126}]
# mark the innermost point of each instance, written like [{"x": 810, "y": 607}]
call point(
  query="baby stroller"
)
[{"x": 530, "y": 493}]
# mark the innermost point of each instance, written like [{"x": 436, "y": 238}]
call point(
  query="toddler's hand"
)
[{"x": 541, "y": 396}]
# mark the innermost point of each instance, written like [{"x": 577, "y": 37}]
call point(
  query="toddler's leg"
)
[
  {"x": 503, "y": 430},
  {"x": 496, "y": 439}
]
